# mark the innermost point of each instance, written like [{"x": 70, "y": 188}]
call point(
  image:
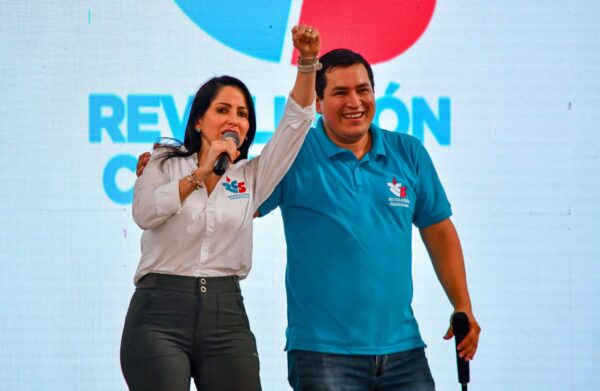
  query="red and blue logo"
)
[
  {"x": 397, "y": 189},
  {"x": 379, "y": 30},
  {"x": 400, "y": 196},
  {"x": 233, "y": 186}
]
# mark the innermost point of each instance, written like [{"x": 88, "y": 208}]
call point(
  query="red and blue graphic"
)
[
  {"x": 379, "y": 30},
  {"x": 397, "y": 189},
  {"x": 233, "y": 186}
]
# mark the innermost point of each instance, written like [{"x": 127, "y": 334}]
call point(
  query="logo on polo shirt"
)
[
  {"x": 399, "y": 191},
  {"x": 236, "y": 187}
]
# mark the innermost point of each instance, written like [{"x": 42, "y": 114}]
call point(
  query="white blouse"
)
[{"x": 211, "y": 235}]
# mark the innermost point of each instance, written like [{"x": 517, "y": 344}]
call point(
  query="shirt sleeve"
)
[
  {"x": 155, "y": 195},
  {"x": 432, "y": 205},
  {"x": 279, "y": 153},
  {"x": 273, "y": 201}
]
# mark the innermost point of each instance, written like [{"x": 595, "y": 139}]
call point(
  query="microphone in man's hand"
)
[
  {"x": 460, "y": 328},
  {"x": 223, "y": 161}
]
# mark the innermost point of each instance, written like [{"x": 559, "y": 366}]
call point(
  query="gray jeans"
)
[{"x": 178, "y": 328}]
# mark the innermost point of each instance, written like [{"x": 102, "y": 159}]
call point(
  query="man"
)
[{"x": 348, "y": 204}]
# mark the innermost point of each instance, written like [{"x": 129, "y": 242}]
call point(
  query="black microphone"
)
[
  {"x": 460, "y": 328},
  {"x": 223, "y": 161}
]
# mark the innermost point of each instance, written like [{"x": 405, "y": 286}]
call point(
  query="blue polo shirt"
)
[{"x": 348, "y": 227}]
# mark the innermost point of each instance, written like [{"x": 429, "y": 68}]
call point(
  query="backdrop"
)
[{"x": 504, "y": 95}]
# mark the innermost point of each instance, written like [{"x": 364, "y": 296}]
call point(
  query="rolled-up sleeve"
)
[
  {"x": 155, "y": 195},
  {"x": 279, "y": 153}
]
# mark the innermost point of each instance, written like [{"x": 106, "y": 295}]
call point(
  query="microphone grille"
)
[{"x": 233, "y": 136}]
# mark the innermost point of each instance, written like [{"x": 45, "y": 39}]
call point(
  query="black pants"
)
[{"x": 179, "y": 328}]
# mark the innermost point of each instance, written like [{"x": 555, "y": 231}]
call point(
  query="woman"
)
[{"x": 187, "y": 318}]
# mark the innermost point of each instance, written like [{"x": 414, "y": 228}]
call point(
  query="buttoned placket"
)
[
  {"x": 208, "y": 217},
  {"x": 204, "y": 248},
  {"x": 359, "y": 168},
  {"x": 210, "y": 225}
]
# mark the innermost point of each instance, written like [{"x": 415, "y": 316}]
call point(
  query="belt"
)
[{"x": 190, "y": 284}]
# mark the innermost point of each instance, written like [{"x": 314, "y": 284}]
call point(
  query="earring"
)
[{"x": 199, "y": 130}]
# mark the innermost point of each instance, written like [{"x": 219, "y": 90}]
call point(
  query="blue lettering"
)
[
  {"x": 439, "y": 126},
  {"x": 136, "y": 118},
  {"x": 176, "y": 124},
  {"x": 278, "y": 109},
  {"x": 119, "y": 196},
  {"x": 107, "y": 113},
  {"x": 389, "y": 102},
  {"x": 111, "y": 122},
  {"x": 263, "y": 136},
  {"x": 422, "y": 115}
]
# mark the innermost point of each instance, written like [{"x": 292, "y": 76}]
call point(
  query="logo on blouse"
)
[
  {"x": 233, "y": 186},
  {"x": 399, "y": 191},
  {"x": 237, "y": 188}
]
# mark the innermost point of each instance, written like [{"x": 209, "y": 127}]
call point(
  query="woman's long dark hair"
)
[{"x": 204, "y": 97}]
